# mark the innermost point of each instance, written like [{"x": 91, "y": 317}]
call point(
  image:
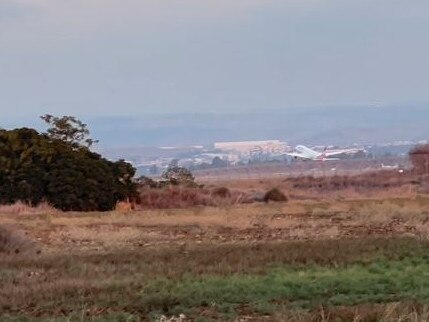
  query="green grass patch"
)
[
  {"x": 220, "y": 281},
  {"x": 378, "y": 282}
]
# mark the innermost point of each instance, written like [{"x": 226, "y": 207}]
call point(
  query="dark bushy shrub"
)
[
  {"x": 36, "y": 168},
  {"x": 275, "y": 195}
]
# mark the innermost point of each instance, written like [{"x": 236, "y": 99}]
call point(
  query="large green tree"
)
[{"x": 35, "y": 167}]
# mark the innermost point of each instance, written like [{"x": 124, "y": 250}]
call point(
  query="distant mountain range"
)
[
  {"x": 321, "y": 125},
  {"x": 327, "y": 125}
]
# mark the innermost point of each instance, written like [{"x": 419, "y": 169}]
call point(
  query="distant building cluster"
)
[{"x": 246, "y": 149}]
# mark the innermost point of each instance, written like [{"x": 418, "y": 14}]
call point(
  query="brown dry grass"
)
[
  {"x": 295, "y": 220},
  {"x": 21, "y": 208},
  {"x": 392, "y": 312}
]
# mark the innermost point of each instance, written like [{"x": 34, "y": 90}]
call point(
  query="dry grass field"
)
[{"x": 350, "y": 252}]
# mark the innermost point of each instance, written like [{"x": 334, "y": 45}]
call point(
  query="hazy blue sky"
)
[{"x": 134, "y": 57}]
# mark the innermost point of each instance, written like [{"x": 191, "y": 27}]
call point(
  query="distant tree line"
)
[
  {"x": 216, "y": 163},
  {"x": 173, "y": 176},
  {"x": 58, "y": 167}
]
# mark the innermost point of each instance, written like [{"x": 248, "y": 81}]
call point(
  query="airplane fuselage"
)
[{"x": 305, "y": 153}]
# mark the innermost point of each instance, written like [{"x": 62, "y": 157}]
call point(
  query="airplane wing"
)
[
  {"x": 304, "y": 157},
  {"x": 343, "y": 151},
  {"x": 333, "y": 153}
]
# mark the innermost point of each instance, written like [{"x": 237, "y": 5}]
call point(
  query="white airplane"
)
[
  {"x": 389, "y": 167},
  {"x": 305, "y": 153}
]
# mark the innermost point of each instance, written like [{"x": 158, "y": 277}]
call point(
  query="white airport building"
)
[{"x": 247, "y": 148}]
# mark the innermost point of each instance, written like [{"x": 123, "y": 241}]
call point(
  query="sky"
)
[{"x": 148, "y": 57}]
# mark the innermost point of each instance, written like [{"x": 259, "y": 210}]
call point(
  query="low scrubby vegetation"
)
[
  {"x": 185, "y": 197},
  {"x": 177, "y": 189}
]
